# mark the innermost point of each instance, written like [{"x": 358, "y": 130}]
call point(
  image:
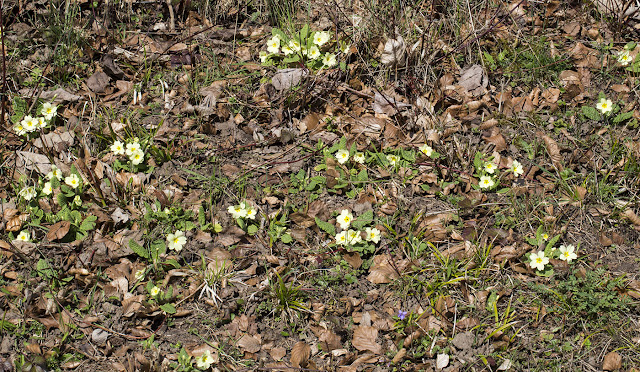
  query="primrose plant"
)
[
  {"x": 25, "y": 124},
  {"x": 314, "y": 50},
  {"x": 244, "y": 214},
  {"x": 488, "y": 173},
  {"x": 132, "y": 149},
  {"x": 539, "y": 259},
  {"x": 356, "y": 234},
  {"x": 608, "y": 111}
]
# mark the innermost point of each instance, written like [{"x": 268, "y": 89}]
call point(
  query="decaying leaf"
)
[
  {"x": 58, "y": 231},
  {"x": 300, "y": 354},
  {"x": 249, "y": 343},
  {"x": 553, "y": 150},
  {"x": 364, "y": 338},
  {"x": 474, "y": 79},
  {"x": 382, "y": 271},
  {"x": 394, "y": 52}
]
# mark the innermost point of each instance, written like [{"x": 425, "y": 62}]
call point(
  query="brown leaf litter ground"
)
[{"x": 450, "y": 285}]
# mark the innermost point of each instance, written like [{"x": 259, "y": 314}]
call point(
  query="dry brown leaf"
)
[
  {"x": 382, "y": 271},
  {"x": 131, "y": 305},
  {"x": 353, "y": 259},
  {"x": 495, "y": 137},
  {"x": 249, "y": 343},
  {"x": 15, "y": 223},
  {"x": 58, "y": 231},
  {"x": 364, "y": 338},
  {"x": 553, "y": 150},
  {"x": 278, "y": 352},
  {"x": 310, "y": 122},
  {"x": 329, "y": 340},
  {"x": 612, "y": 361},
  {"x": 632, "y": 216},
  {"x": 300, "y": 354}
]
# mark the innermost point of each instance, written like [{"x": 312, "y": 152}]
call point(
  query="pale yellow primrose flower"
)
[
  {"x": 136, "y": 157},
  {"x": 49, "y": 110},
  {"x": 263, "y": 56},
  {"x": 490, "y": 168},
  {"x": 30, "y": 124},
  {"x": 294, "y": 45},
  {"x": 321, "y": 38},
  {"x": 55, "y": 172},
  {"x": 538, "y": 261},
  {"x": 354, "y": 237},
  {"x": 426, "y": 149},
  {"x": 205, "y": 360},
  {"x": 624, "y": 58},
  {"x": 237, "y": 211},
  {"x": 392, "y": 160},
  {"x": 567, "y": 253},
  {"x": 516, "y": 168},
  {"x": 604, "y": 105},
  {"x": 24, "y": 236},
  {"x": 273, "y": 45},
  {"x": 19, "y": 129},
  {"x": 341, "y": 238},
  {"x": 251, "y": 212},
  {"x": 176, "y": 240},
  {"x": 314, "y": 52},
  {"x": 133, "y": 147},
  {"x": 486, "y": 182},
  {"x": 545, "y": 236},
  {"x": 154, "y": 291},
  {"x": 329, "y": 60},
  {"x": 42, "y": 122},
  {"x": 287, "y": 50},
  {"x": 358, "y": 157},
  {"x": 373, "y": 234},
  {"x": 47, "y": 189},
  {"x": 73, "y": 180},
  {"x": 28, "y": 193},
  {"x": 117, "y": 148},
  {"x": 344, "y": 219},
  {"x": 139, "y": 275},
  {"x": 342, "y": 156}
]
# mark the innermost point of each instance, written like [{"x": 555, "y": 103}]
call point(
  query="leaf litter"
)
[{"x": 278, "y": 292}]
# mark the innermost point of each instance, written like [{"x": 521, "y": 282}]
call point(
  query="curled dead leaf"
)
[
  {"x": 632, "y": 217},
  {"x": 553, "y": 150},
  {"x": 15, "y": 223}
]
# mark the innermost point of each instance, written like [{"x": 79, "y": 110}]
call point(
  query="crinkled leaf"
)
[
  {"x": 168, "y": 308},
  {"x": 622, "y": 117},
  {"x": 591, "y": 112},
  {"x": 286, "y": 238},
  {"x": 326, "y": 226},
  {"x": 138, "y": 249},
  {"x": 363, "y": 220}
]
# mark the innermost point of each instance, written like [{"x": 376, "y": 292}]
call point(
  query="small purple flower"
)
[{"x": 402, "y": 314}]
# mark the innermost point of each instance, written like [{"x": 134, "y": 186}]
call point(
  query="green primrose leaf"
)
[
  {"x": 138, "y": 249},
  {"x": 326, "y": 227}
]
